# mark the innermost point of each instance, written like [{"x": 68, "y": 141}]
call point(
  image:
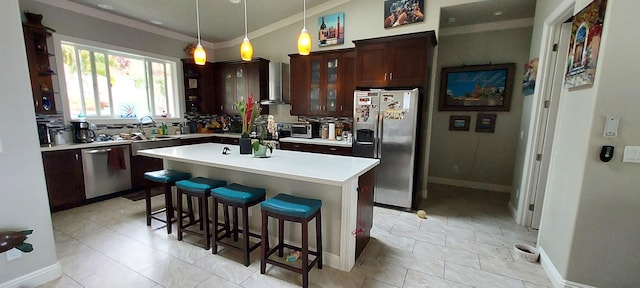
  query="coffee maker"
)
[{"x": 81, "y": 132}]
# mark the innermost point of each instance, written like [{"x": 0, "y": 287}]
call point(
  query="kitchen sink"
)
[{"x": 155, "y": 142}]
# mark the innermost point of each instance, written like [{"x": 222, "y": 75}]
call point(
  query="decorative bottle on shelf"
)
[{"x": 323, "y": 35}]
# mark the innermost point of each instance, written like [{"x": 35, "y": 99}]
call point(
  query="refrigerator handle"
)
[{"x": 379, "y": 136}]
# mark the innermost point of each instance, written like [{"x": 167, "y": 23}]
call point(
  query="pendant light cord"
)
[
  {"x": 245, "y": 19},
  {"x": 304, "y": 14},
  {"x": 198, "y": 19}
]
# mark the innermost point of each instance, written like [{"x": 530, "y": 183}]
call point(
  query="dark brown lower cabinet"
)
[
  {"x": 366, "y": 189},
  {"x": 323, "y": 149},
  {"x": 64, "y": 177},
  {"x": 226, "y": 140},
  {"x": 199, "y": 140},
  {"x": 140, "y": 165}
]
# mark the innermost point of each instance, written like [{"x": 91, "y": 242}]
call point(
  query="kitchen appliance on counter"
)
[
  {"x": 82, "y": 132},
  {"x": 106, "y": 170},
  {"x": 305, "y": 130},
  {"x": 385, "y": 125},
  {"x": 44, "y": 134}
]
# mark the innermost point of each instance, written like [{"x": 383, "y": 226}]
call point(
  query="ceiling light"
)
[
  {"x": 156, "y": 22},
  {"x": 105, "y": 6},
  {"x": 246, "y": 50},
  {"x": 199, "y": 55},
  {"x": 304, "y": 40},
  {"x": 497, "y": 13}
]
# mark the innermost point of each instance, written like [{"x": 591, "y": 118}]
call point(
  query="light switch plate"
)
[
  {"x": 631, "y": 154},
  {"x": 611, "y": 126}
]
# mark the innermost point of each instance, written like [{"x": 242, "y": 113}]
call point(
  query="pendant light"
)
[
  {"x": 199, "y": 55},
  {"x": 304, "y": 41},
  {"x": 246, "y": 50}
]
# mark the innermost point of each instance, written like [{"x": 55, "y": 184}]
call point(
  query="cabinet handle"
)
[
  {"x": 340, "y": 108},
  {"x": 221, "y": 108},
  {"x": 76, "y": 156},
  {"x": 391, "y": 76},
  {"x": 296, "y": 146},
  {"x": 385, "y": 76},
  {"x": 333, "y": 149},
  {"x": 37, "y": 103}
]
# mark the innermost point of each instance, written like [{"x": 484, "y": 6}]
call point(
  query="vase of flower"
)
[
  {"x": 248, "y": 111},
  {"x": 245, "y": 144}
]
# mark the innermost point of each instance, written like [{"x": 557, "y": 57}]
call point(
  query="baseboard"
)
[
  {"x": 35, "y": 278},
  {"x": 470, "y": 184},
  {"x": 554, "y": 275}
]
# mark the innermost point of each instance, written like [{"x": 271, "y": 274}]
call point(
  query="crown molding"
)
[{"x": 484, "y": 27}]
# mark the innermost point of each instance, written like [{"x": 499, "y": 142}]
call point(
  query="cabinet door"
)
[
  {"x": 331, "y": 63},
  {"x": 140, "y": 165},
  {"x": 408, "y": 65},
  {"x": 371, "y": 65},
  {"x": 299, "y": 71},
  {"x": 347, "y": 84},
  {"x": 64, "y": 177}
]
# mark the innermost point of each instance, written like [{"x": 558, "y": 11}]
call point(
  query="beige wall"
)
[
  {"x": 483, "y": 158},
  {"x": 24, "y": 204},
  {"x": 589, "y": 223}
]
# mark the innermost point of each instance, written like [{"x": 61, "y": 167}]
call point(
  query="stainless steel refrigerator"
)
[{"x": 385, "y": 125}]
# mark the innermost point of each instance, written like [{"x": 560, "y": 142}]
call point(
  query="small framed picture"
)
[
  {"x": 193, "y": 83},
  {"x": 331, "y": 29},
  {"x": 486, "y": 123},
  {"x": 459, "y": 123}
]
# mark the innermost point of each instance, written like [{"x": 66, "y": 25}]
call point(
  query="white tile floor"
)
[{"x": 466, "y": 241}]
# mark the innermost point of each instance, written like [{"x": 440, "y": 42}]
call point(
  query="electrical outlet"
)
[
  {"x": 13, "y": 254},
  {"x": 456, "y": 169}
]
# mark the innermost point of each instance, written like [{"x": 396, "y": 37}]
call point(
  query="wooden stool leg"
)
[
  {"x": 190, "y": 210},
  {"x": 214, "y": 235},
  {"x": 169, "y": 205},
  {"x": 280, "y": 237},
  {"x": 147, "y": 196},
  {"x": 204, "y": 214},
  {"x": 227, "y": 229},
  {"x": 319, "y": 238},
  {"x": 235, "y": 223},
  {"x": 245, "y": 232},
  {"x": 265, "y": 243},
  {"x": 180, "y": 217},
  {"x": 200, "y": 209},
  {"x": 305, "y": 253}
]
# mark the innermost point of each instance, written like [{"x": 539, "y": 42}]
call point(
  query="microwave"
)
[{"x": 305, "y": 130}]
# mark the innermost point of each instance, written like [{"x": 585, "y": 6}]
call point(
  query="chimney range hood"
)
[{"x": 278, "y": 84}]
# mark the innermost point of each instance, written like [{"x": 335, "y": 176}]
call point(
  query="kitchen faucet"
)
[{"x": 140, "y": 123}]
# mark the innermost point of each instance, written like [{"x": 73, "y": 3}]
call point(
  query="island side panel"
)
[{"x": 366, "y": 189}]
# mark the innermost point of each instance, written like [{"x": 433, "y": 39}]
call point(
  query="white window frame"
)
[{"x": 178, "y": 91}]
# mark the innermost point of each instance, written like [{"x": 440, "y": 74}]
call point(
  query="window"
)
[{"x": 109, "y": 84}]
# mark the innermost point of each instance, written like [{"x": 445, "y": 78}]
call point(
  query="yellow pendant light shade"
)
[
  {"x": 199, "y": 55},
  {"x": 304, "y": 42},
  {"x": 246, "y": 50}
]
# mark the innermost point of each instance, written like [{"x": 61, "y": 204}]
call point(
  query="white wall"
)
[
  {"x": 482, "y": 158},
  {"x": 589, "y": 223},
  {"x": 24, "y": 203}
]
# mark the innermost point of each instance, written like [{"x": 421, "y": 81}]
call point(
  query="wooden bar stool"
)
[
  {"x": 166, "y": 179},
  {"x": 286, "y": 207},
  {"x": 200, "y": 188},
  {"x": 236, "y": 196}
]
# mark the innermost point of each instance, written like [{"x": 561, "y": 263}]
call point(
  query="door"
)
[
  {"x": 548, "y": 122},
  {"x": 398, "y": 115}
]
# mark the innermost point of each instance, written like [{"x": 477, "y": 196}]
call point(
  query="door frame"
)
[{"x": 550, "y": 31}]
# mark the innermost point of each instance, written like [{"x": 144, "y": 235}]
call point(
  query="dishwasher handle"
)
[{"x": 97, "y": 151}]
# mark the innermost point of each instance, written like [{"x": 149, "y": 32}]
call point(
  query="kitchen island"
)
[{"x": 344, "y": 184}]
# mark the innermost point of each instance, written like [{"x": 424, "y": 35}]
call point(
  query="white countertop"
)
[
  {"x": 316, "y": 141},
  {"x": 310, "y": 167}
]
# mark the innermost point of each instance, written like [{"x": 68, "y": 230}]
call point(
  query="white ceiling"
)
[{"x": 222, "y": 20}]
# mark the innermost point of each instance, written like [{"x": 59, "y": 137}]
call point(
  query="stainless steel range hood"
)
[{"x": 278, "y": 84}]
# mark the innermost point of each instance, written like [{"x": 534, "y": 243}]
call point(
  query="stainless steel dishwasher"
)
[{"x": 100, "y": 178}]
